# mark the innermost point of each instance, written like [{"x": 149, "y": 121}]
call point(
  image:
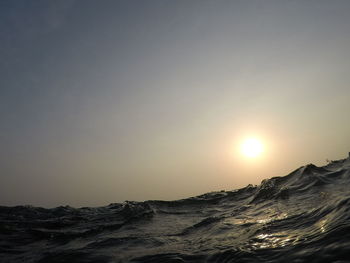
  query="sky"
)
[{"x": 107, "y": 101}]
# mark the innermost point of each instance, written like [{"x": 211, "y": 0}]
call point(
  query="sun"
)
[{"x": 252, "y": 147}]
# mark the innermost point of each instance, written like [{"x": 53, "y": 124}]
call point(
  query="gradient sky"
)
[{"x": 106, "y": 101}]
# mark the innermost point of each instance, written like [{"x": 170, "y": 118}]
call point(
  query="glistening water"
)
[{"x": 301, "y": 217}]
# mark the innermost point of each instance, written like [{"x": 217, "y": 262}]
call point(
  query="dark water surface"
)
[{"x": 301, "y": 217}]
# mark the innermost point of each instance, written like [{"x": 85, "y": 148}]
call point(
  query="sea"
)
[{"x": 301, "y": 217}]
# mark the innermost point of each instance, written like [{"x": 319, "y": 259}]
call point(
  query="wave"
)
[{"x": 301, "y": 217}]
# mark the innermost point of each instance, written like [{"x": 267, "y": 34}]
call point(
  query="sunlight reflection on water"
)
[
  {"x": 322, "y": 225},
  {"x": 274, "y": 240}
]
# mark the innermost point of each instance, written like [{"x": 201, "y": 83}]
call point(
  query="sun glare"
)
[{"x": 252, "y": 147}]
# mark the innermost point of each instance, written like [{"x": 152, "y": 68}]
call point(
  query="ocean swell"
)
[{"x": 301, "y": 217}]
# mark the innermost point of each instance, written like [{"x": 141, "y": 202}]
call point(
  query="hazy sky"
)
[{"x": 106, "y": 101}]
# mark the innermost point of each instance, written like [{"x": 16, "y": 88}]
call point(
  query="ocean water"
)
[{"x": 301, "y": 217}]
